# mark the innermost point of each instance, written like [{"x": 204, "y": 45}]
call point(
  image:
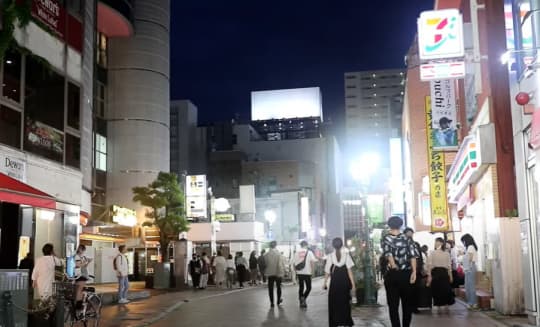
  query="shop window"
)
[
  {"x": 73, "y": 105},
  {"x": 73, "y": 151},
  {"x": 100, "y": 159},
  {"x": 101, "y": 50},
  {"x": 44, "y": 94},
  {"x": 11, "y": 79},
  {"x": 10, "y": 127}
]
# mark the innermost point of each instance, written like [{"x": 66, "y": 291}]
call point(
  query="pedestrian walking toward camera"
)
[
  {"x": 401, "y": 253},
  {"x": 262, "y": 266},
  {"x": 439, "y": 267},
  {"x": 304, "y": 265},
  {"x": 231, "y": 271},
  {"x": 241, "y": 269},
  {"x": 469, "y": 266},
  {"x": 195, "y": 266},
  {"x": 220, "y": 267},
  {"x": 275, "y": 269},
  {"x": 120, "y": 264},
  {"x": 338, "y": 268},
  {"x": 253, "y": 268}
]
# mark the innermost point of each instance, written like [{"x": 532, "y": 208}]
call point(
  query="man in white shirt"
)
[
  {"x": 304, "y": 265},
  {"x": 120, "y": 265}
]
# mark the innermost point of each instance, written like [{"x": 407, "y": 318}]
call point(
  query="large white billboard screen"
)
[{"x": 286, "y": 104}]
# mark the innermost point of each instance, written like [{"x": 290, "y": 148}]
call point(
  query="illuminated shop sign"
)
[
  {"x": 440, "y": 34},
  {"x": 442, "y": 70},
  {"x": 124, "y": 216}
]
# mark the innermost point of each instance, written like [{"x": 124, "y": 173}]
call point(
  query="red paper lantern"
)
[{"x": 522, "y": 98}]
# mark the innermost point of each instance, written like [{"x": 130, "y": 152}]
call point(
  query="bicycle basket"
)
[{"x": 66, "y": 289}]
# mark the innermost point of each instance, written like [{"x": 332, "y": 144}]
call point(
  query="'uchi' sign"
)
[{"x": 51, "y": 13}]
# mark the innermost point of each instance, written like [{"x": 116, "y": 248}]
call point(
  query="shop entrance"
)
[{"x": 10, "y": 229}]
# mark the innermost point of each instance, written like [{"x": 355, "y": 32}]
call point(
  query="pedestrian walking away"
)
[
  {"x": 195, "y": 270},
  {"x": 401, "y": 276},
  {"x": 120, "y": 265},
  {"x": 241, "y": 269},
  {"x": 469, "y": 267},
  {"x": 220, "y": 266},
  {"x": 419, "y": 286},
  {"x": 338, "y": 269},
  {"x": 231, "y": 271},
  {"x": 304, "y": 265},
  {"x": 440, "y": 275},
  {"x": 205, "y": 271},
  {"x": 43, "y": 274},
  {"x": 253, "y": 268},
  {"x": 262, "y": 266},
  {"x": 275, "y": 269}
]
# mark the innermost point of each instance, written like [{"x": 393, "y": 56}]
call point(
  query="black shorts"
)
[{"x": 81, "y": 279}]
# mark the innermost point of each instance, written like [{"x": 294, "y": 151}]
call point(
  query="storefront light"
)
[{"x": 45, "y": 214}]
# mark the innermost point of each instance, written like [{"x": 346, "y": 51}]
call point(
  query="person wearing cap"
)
[
  {"x": 445, "y": 135},
  {"x": 304, "y": 265},
  {"x": 401, "y": 253}
]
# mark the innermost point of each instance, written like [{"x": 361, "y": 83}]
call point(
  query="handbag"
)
[{"x": 302, "y": 264}]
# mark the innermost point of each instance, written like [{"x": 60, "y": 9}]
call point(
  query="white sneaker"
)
[{"x": 123, "y": 301}]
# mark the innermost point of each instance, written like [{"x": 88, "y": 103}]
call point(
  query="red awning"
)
[{"x": 14, "y": 191}]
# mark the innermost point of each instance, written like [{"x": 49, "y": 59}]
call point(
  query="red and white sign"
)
[
  {"x": 534, "y": 140},
  {"x": 50, "y": 13},
  {"x": 443, "y": 70}
]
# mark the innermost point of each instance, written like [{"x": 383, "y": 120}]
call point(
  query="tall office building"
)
[{"x": 373, "y": 103}]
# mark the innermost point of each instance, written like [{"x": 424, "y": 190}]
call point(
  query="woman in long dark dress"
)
[
  {"x": 338, "y": 268},
  {"x": 440, "y": 275}
]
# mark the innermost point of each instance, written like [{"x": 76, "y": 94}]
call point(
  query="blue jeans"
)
[
  {"x": 123, "y": 286},
  {"x": 470, "y": 285}
]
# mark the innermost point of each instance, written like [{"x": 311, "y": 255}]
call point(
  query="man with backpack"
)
[
  {"x": 120, "y": 264},
  {"x": 304, "y": 265}
]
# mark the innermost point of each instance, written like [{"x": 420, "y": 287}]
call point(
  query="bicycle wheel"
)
[
  {"x": 69, "y": 314},
  {"x": 93, "y": 309}
]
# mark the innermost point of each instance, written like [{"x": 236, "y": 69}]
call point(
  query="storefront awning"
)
[{"x": 14, "y": 191}]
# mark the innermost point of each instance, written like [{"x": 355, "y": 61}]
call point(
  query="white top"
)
[
  {"x": 43, "y": 275},
  {"x": 332, "y": 260},
  {"x": 220, "y": 262},
  {"x": 467, "y": 262},
  {"x": 121, "y": 265},
  {"x": 83, "y": 262},
  {"x": 230, "y": 264},
  {"x": 299, "y": 257}
]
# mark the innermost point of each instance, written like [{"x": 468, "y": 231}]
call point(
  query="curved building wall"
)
[{"x": 138, "y": 103}]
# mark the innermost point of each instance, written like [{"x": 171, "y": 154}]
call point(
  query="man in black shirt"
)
[{"x": 401, "y": 254}]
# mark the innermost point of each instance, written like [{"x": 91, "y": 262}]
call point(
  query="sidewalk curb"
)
[{"x": 178, "y": 304}]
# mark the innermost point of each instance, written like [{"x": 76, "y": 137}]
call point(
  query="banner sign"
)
[
  {"x": 196, "y": 185},
  {"x": 13, "y": 167},
  {"x": 437, "y": 180},
  {"x": 43, "y": 140},
  {"x": 440, "y": 34},
  {"x": 442, "y": 70},
  {"x": 444, "y": 114}
]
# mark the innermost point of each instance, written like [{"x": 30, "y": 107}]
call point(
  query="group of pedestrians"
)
[{"x": 407, "y": 265}]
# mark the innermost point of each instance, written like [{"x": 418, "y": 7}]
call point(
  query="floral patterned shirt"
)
[{"x": 401, "y": 248}]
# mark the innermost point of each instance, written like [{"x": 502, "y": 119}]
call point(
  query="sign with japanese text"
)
[
  {"x": 196, "y": 185},
  {"x": 440, "y": 34},
  {"x": 443, "y": 114},
  {"x": 437, "y": 179}
]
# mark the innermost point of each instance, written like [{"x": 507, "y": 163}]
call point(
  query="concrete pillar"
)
[{"x": 138, "y": 98}]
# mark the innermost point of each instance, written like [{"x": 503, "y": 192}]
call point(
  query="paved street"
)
[{"x": 250, "y": 307}]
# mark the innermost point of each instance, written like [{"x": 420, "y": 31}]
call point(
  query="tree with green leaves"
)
[{"x": 165, "y": 201}]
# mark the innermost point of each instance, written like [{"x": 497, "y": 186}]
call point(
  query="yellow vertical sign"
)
[{"x": 437, "y": 179}]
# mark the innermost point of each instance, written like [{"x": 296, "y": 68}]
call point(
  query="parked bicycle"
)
[{"x": 88, "y": 313}]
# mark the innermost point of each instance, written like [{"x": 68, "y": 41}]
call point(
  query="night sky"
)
[{"x": 223, "y": 50}]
